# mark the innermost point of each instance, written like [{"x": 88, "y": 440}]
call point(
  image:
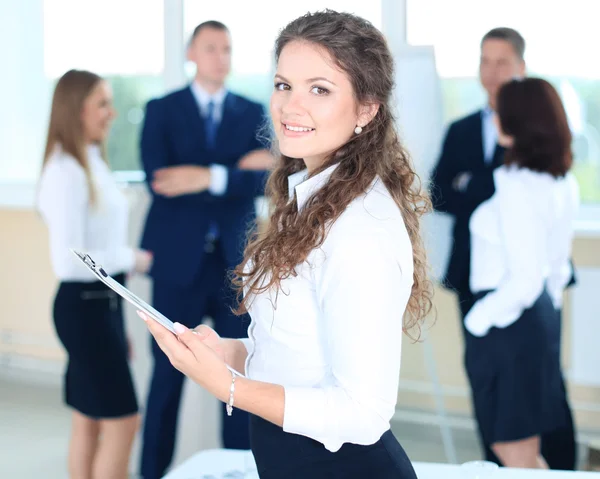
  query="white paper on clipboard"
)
[{"x": 129, "y": 296}]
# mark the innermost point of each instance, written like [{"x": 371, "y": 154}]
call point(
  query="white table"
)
[{"x": 230, "y": 464}]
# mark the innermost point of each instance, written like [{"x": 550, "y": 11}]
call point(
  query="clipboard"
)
[
  {"x": 129, "y": 296},
  {"x": 123, "y": 291}
]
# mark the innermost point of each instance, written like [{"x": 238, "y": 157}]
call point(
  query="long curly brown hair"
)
[{"x": 359, "y": 50}]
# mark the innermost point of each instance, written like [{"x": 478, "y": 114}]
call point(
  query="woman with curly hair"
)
[{"x": 336, "y": 277}]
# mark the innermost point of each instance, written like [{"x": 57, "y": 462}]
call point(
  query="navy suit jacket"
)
[
  {"x": 176, "y": 228},
  {"x": 462, "y": 151}
]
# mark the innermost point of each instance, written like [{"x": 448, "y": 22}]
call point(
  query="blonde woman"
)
[{"x": 84, "y": 209}]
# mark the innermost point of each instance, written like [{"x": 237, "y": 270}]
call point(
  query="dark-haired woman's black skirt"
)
[
  {"x": 279, "y": 454},
  {"x": 88, "y": 318},
  {"x": 515, "y": 375}
]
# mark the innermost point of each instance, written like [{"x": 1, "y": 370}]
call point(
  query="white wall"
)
[
  {"x": 25, "y": 95},
  {"x": 419, "y": 110}
]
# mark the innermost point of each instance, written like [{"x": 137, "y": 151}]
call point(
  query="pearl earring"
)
[{"x": 358, "y": 130}]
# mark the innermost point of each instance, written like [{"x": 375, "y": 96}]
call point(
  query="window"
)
[
  {"x": 557, "y": 49},
  {"x": 254, "y": 27},
  {"x": 25, "y": 96},
  {"x": 123, "y": 42}
]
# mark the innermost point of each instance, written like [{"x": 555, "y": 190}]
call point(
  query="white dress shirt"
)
[
  {"x": 203, "y": 98},
  {"x": 99, "y": 229},
  {"x": 489, "y": 134},
  {"x": 218, "y": 173},
  {"x": 521, "y": 241},
  {"x": 332, "y": 336}
]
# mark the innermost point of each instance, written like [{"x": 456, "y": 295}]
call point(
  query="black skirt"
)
[
  {"x": 515, "y": 375},
  {"x": 88, "y": 318},
  {"x": 279, "y": 454}
]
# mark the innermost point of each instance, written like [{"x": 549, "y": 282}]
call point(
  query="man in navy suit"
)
[
  {"x": 463, "y": 179},
  {"x": 205, "y": 165}
]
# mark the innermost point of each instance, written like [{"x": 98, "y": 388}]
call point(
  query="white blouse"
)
[
  {"x": 99, "y": 229},
  {"x": 333, "y": 335},
  {"x": 521, "y": 242}
]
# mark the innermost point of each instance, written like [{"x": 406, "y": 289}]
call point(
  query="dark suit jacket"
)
[
  {"x": 175, "y": 230},
  {"x": 462, "y": 151}
]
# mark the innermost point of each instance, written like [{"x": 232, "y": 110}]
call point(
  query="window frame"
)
[{"x": 394, "y": 25}]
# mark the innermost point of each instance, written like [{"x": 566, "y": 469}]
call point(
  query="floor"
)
[
  {"x": 34, "y": 430},
  {"x": 34, "y": 433}
]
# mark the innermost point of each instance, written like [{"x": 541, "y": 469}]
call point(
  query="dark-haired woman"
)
[{"x": 520, "y": 249}]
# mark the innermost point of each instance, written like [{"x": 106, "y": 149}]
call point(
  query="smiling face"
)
[
  {"x": 98, "y": 113},
  {"x": 313, "y": 107}
]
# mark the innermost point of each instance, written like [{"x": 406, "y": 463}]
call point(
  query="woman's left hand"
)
[{"x": 188, "y": 354}]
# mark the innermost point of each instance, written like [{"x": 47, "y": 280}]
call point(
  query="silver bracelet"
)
[{"x": 229, "y": 405}]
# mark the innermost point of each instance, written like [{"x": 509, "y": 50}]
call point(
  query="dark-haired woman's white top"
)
[{"x": 521, "y": 241}]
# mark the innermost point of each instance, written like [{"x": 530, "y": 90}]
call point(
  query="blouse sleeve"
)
[{"x": 363, "y": 293}]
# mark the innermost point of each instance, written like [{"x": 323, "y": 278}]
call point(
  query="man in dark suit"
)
[
  {"x": 205, "y": 166},
  {"x": 463, "y": 179}
]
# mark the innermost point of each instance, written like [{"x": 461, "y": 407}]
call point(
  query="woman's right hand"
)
[
  {"x": 143, "y": 261},
  {"x": 211, "y": 339}
]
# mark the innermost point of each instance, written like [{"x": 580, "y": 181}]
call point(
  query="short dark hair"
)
[
  {"x": 531, "y": 111},
  {"x": 508, "y": 35},
  {"x": 208, "y": 24}
]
